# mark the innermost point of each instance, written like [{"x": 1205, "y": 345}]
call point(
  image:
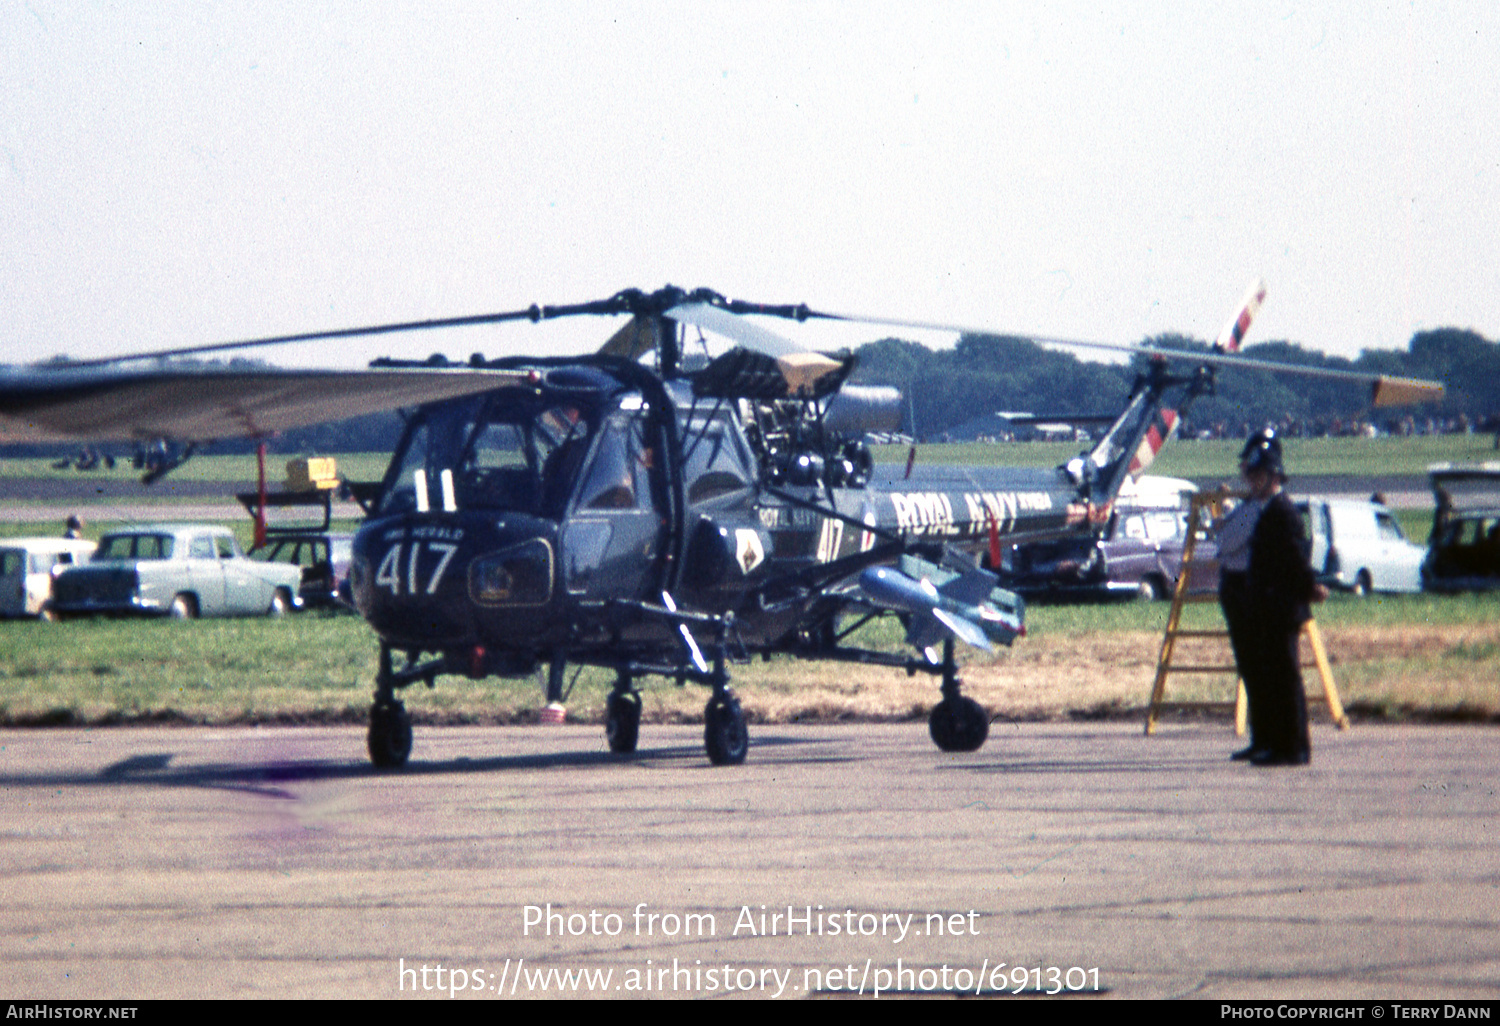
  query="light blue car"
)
[{"x": 176, "y": 570}]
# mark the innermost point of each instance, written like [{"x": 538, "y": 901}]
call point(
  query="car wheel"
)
[
  {"x": 183, "y": 607},
  {"x": 1147, "y": 590},
  {"x": 1363, "y": 585},
  {"x": 281, "y": 603}
]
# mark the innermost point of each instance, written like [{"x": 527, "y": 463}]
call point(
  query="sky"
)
[{"x": 182, "y": 173}]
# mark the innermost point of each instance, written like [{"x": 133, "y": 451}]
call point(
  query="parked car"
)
[
  {"x": 1138, "y": 554},
  {"x": 323, "y": 560},
  {"x": 28, "y": 567},
  {"x": 1463, "y": 553},
  {"x": 1358, "y": 546},
  {"x": 177, "y": 570}
]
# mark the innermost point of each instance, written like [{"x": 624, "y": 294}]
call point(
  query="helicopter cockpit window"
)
[
  {"x": 717, "y": 458},
  {"x": 431, "y": 444},
  {"x": 561, "y": 439},
  {"x": 495, "y": 470},
  {"x": 617, "y": 477},
  {"x": 492, "y": 453}
]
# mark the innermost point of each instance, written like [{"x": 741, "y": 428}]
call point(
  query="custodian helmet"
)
[{"x": 1263, "y": 452}]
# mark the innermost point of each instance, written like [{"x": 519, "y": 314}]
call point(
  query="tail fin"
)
[
  {"x": 1134, "y": 439},
  {"x": 1164, "y": 425},
  {"x": 1158, "y": 433},
  {"x": 1234, "y": 332},
  {"x": 1148, "y": 422}
]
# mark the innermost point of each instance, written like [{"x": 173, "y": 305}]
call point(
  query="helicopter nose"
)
[
  {"x": 412, "y": 588},
  {"x": 448, "y": 582}
]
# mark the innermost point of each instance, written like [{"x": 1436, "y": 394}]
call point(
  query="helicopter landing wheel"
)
[
  {"x": 958, "y": 724},
  {"x": 622, "y": 720},
  {"x": 724, "y": 733},
  {"x": 390, "y": 735}
]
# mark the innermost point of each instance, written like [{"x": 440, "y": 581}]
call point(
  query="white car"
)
[
  {"x": 1357, "y": 545},
  {"x": 28, "y": 566}
]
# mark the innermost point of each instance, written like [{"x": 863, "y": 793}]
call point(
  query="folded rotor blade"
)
[
  {"x": 735, "y": 328},
  {"x": 800, "y": 368},
  {"x": 1390, "y": 391},
  {"x": 195, "y": 404}
]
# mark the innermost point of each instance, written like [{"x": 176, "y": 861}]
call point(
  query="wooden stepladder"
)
[{"x": 1189, "y": 592}]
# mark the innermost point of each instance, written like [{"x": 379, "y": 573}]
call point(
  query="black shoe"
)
[
  {"x": 1272, "y": 757},
  {"x": 1247, "y": 753}
]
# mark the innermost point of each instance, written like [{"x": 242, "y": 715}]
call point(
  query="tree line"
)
[{"x": 946, "y": 389}]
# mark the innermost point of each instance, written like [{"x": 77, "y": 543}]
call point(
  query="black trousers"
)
[{"x": 1265, "y": 651}]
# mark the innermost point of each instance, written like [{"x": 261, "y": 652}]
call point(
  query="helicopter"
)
[{"x": 645, "y": 510}]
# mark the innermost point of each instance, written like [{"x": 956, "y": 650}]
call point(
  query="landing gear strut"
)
[
  {"x": 390, "y": 724},
  {"x": 725, "y": 737},
  {"x": 957, "y": 723},
  {"x": 724, "y": 733}
]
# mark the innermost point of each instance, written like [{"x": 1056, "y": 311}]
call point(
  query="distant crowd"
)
[{"x": 1340, "y": 427}]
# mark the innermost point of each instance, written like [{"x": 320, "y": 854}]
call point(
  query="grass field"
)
[
  {"x": 1310, "y": 457},
  {"x": 1394, "y": 657}
]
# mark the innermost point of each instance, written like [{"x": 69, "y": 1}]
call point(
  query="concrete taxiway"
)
[{"x": 274, "y": 862}]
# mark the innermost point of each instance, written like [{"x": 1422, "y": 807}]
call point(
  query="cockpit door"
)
[{"x": 613, "y": 534}]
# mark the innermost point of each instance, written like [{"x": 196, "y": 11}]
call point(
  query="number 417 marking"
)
[{"x": 389, "y": 574}]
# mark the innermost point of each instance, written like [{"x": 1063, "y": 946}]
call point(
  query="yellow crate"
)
[{"x": 310, "y": 473}]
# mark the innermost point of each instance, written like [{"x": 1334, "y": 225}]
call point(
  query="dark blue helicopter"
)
[{"x": 640, "y": 512}]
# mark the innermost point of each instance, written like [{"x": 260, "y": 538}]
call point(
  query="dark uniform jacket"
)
[{"x": 1279, "y": 580}]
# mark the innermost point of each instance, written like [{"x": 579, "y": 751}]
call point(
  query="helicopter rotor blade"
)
[
  {"x": 710, "y": 311},
  {"x": 1393, "y": 391},
  {"x": 531, "y": 313},
  {"x": 622, "y": 302},
  {"x": 1386, "y": 390}
]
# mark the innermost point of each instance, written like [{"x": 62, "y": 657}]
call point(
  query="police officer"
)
[{"x": 1265, "y": 588}]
